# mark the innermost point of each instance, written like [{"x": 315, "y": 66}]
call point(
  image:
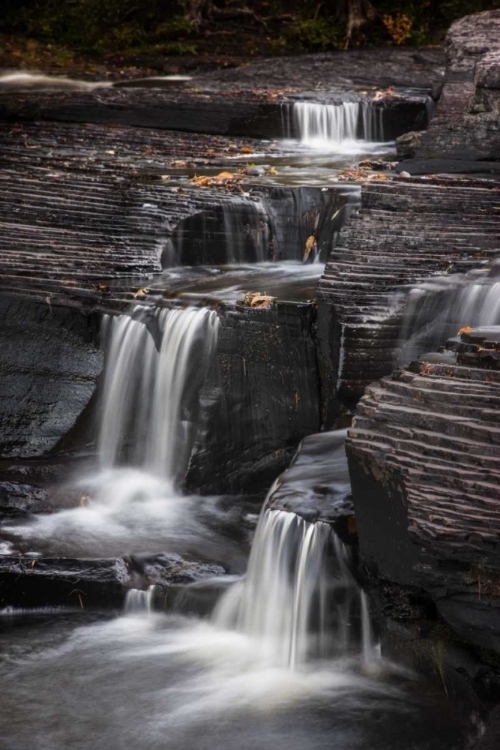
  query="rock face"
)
[
  {"x": 316, "y": 486},
  {"x": 49, "y": 362},
  {"x": 84, "y": 230},
  {"x": 259, "y": 401},
  {"x": 405, "y": 231},
  {"x": 467, "y": 123},
  {"x": 425, "y": 470},
  {"x": 89, "y": 584}
]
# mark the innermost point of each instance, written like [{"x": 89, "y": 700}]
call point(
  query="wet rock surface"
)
[
  {"x": 423, "y": 457},
  {"x": 260, "y": 401},
  {"x": 248, "y": 101},
  {"x": 405, "y": 231},
  {"x": 49, "y": 359},
  {"x": 467, "y": 125},
  {"x": 316, "y": 486},
  {"x": 36, "y": 581}
]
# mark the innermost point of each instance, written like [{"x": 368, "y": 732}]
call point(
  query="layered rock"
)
[
  {"x": 466, "y": 129},
  {"x": 405, "y": 231},
  {"x": 425, "y": 471}
]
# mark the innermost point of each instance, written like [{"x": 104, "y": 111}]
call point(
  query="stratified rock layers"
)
[
  {"x": 425, "y": 468},
  {"x": 466, "y": 128},
  {"x": 404, "y": 232}
]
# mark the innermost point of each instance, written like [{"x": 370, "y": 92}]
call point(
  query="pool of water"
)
[{"x": 157, "y": 681}]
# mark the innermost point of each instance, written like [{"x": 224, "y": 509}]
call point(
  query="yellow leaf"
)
[{"x": 310, "y": 245}]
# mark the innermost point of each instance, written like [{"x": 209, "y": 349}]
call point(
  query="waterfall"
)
[
  {"x": 320, "y": 124},
  {"x": 298, "y": 598},
  {"x": 155, "y": 365},
  {"x": 438, "y": 309},
  {"x": 246, "y": 231},
  {"x": 139, "y": 602}
]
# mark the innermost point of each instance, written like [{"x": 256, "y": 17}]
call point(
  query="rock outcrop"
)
[
  {"x": 465, "y": 134},
  {"x": 425, "y": 471},
  {"x": 405, "y": 231}
]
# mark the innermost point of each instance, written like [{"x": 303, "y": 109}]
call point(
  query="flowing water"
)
[
  {"x": 327, "y": 126},
  {"x": 436, "y": 310},
  {"x": 284, "y": 655}
]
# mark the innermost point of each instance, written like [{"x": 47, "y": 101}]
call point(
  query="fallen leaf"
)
[
  {"x": 224, "y": 176},
  {"x": 464, "y": 330},
  {"x": 141, "y": 292},
  {"x": 310, "y": 245},
  {"x": 245, "y": 150},
  {"x": 256, "y": 299}
]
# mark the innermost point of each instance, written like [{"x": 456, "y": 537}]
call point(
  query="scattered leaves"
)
[{"x": 223, "y": 178}]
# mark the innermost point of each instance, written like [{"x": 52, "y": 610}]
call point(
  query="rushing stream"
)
[{"x": 285, "y": 657}]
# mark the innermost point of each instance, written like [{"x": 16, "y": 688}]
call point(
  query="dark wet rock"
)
[
  {"x": 316, "y": 486},
  {"x": 423, "y": 456},
  {"x": 171, "y": 569},
  {"x": 444, "y": 166},
  {"x": 22, "y": 498},
  {"x": 37, "y": 582},
  {"x": 192, "y": 599},
  {"x": 49, "y": 360},
  {"x": 259, "y": 401},
  {"x": 34, "y": 581},
  {"x": 411, "y": 67},
  {"x": 248, "y": 101},
  {"x": 406, "y": 231},
  {"x": 467, "y": 125}
]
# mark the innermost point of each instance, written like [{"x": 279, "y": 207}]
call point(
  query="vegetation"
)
[{"x": 225, "y": 27}]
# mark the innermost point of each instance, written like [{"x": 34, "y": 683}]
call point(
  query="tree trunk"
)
[{"x": 356, "y": 13}]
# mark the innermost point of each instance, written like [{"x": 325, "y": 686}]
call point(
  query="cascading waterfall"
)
[
  {"x": 320, "y": 124},
  {"x": 138, "y": 602},
  {"x": 438, "y": 308},
  {"x": 247, "y": 233},
  {"x": 150, "y": 393},
  {"x": 298, "y": 599}
]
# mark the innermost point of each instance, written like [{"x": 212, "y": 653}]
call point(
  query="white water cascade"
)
[
  {"x": 438, "y": 308},
  {"x": 298, "y": 599},
  {"x": 323, "y": 125},
  {"x": 150, "y": 394},
  {"x": 138, "y": 602}
]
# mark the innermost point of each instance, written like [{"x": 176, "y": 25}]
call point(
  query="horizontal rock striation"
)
[
  {"x": 425, "y": 471},
  {"x": 466, "y": 129},
  {"x": 405, "y": 231}
]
